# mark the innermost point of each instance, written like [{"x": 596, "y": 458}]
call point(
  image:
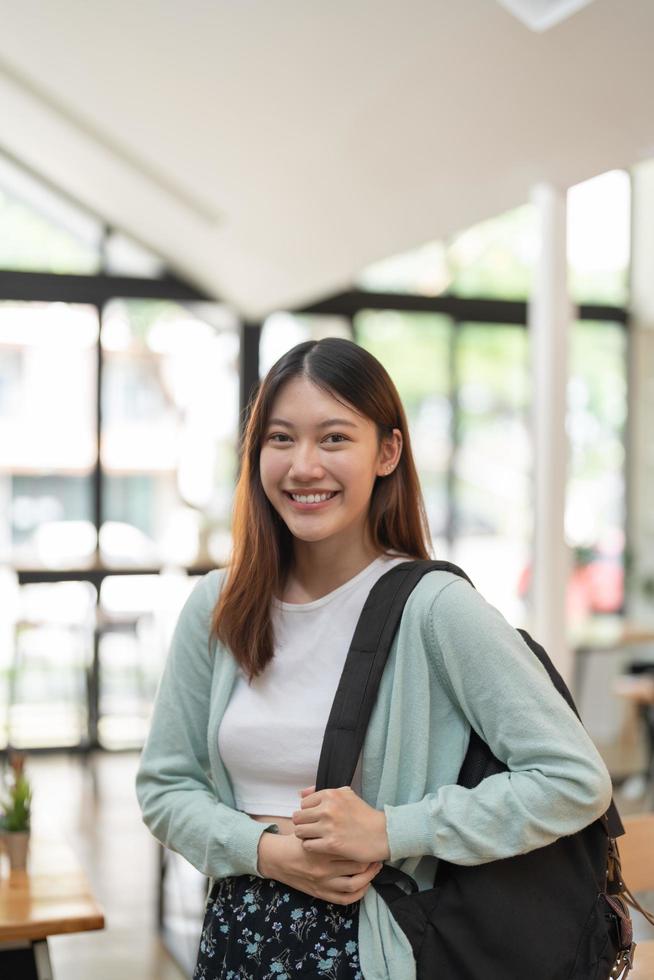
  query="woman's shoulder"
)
[
  {"x": 444, "y": 605},
  {"x": 209, "y": 584},
  {"x": 203, "y": 595},
  {"x": 433, "y": 585},
  {"x": 214, "y": 581}
]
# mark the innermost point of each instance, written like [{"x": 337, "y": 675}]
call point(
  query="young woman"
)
[{"x": 327, "y": 501}]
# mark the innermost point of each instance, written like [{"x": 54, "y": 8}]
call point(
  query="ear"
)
[{"x": 389, "y": 454}]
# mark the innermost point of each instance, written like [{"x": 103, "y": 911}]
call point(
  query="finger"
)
[
  {"x": 309, "y": 798},
  {"x": 308, "y": 831},
  {"x": 351, "y": 882},
  {"x": 340, "y": 866},
  {"x": 309, "y": 789},
  {"x": 311, "y": 815}
]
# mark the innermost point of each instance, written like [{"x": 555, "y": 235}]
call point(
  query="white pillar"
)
[
  {"x": 640, "y": 512},
  {"x": 549, "y": 325}
]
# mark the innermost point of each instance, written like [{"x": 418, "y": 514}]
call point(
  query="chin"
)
[{"x": 311, "y": 538}]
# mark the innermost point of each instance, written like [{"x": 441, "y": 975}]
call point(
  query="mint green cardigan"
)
[{"x": 455, "y": 663}]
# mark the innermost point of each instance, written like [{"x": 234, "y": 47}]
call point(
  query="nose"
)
[{"x": 305, "y": 463}]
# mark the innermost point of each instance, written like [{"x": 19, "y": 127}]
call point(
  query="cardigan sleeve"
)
[
  {"x": 178, "y": 801},
  {"x": 557, "y": 782}
]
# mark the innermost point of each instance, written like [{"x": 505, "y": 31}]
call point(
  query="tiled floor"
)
[{"x": 92, "y": 804}]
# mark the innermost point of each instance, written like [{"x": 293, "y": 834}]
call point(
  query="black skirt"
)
[{"x": 260, "y": 929}]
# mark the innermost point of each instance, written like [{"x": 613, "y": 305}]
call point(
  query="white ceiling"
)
[{"x": 269, "y": 151}]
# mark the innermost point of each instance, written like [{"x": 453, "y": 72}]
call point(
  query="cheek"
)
[
  {"x": 271, "y": 467},
  {"x": 358, "y": 484},
  {"x": 357, "y": 473}
]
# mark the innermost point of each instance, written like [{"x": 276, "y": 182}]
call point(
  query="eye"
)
[{"x": 276, "y": 436}]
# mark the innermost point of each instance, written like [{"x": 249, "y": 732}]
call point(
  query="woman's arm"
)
[
  {"x": 173, "y": 786},
  {"x": 557, "y": 783}
]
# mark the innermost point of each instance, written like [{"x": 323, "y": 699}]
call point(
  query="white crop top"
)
[{"x": 271, "y": 733}]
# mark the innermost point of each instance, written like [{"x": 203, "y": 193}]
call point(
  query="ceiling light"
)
[{"x": 540, "y": 15}]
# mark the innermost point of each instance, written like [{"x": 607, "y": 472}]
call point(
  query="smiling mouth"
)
[{"x": 311, "y": 504}]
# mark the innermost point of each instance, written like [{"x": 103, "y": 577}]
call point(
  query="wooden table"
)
[{"x": 51, "y": 897}]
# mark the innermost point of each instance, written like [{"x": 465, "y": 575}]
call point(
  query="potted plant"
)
[{"x": 16, "y": 808}]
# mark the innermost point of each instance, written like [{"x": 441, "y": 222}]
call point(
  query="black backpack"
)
[{"x": 556, "y": 913}]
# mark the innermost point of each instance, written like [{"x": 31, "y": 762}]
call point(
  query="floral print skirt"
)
[{"x": 260, "y": 929}]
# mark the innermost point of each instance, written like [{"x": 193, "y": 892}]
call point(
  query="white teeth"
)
[{"x": 311, "y": 498}]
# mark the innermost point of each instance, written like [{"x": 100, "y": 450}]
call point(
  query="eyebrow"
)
[{"x": 321, "y": 425}]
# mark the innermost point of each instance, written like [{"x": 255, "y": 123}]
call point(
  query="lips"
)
[
  {"x": 316, "y": 504},
  {"x": 307, "y": 493}
]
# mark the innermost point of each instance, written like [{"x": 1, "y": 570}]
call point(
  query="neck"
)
[{"x": 320, "y": 567}]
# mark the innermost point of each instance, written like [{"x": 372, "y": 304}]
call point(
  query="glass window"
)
[
  {"x": 45, "y": 667},
  {"x": 598, "y": 239},
  {"x": 9, "y": 614},
  {"x": 48, "y": 447},
  {"x": 281, "y": 331},
  {"x": 493, "y": 259},
  {"x": 170, "y": 430},
  {"x": 423, "y": 271},
  {"x": 125, "y": 257},
  {"x": 136, "y": 619},
  {"x": 40, "y": 230},
  {"x": 596, "y": 495},
  {"x": 492, "y": 468},
  {"x": 414, "y": 349},
  {"x": 496, "y": 258}
]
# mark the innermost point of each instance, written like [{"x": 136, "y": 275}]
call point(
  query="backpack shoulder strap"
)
[{"x": 357, "y": 689}]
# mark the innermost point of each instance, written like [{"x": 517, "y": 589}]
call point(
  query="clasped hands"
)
[{"x": 340, "y": 823}]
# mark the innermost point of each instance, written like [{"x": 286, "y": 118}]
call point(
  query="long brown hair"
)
[{"x": 262, "y": 544}]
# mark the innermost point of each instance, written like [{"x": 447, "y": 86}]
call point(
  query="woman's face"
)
[{"x": 314, "y": 444}]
